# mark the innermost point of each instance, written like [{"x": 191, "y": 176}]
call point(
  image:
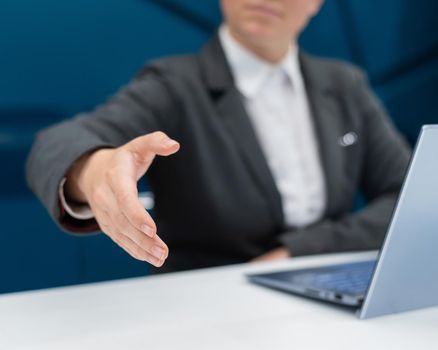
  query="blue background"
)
[{"x": 58, "y": 58}]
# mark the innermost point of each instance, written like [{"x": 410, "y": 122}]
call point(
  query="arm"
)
[
  {"x": 102, "y": 165},
  {"x": 144, "y": 106}
]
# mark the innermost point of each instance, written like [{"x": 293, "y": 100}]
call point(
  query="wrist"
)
[{"x": 81, "y": 175}]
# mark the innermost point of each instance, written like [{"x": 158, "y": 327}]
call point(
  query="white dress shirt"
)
[{"x": 276, "y": 102}]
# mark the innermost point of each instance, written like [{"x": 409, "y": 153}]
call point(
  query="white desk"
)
[{"x": 204, "y": 309}]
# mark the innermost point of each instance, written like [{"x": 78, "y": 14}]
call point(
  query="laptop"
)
[{"x": 405, "y": 274}]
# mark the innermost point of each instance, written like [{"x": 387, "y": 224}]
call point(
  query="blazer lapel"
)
[
  {"x": 237, "y": 121},
  {"x": 232, "y": 111},
  {"x": 326, "y": 114}
]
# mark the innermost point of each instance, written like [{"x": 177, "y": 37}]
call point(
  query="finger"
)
[
  {"x": 157, "y": 143},
  {"x": 125, "y": 242},
  {"x": 125, "y": 194},
  {"x": 135, "y": 251},
  {"x": 154, "y": 246},
  {"x": 106, "y": 227}
]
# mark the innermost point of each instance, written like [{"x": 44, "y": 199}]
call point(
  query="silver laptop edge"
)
[{"x": 406, "y": 274}]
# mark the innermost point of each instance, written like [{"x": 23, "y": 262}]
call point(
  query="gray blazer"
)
[{"x": 216, "y": 200}]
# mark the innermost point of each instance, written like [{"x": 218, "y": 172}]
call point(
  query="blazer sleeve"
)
[
  {"x": 145, "y": 105},
  {"x": 386, "y": 158}
]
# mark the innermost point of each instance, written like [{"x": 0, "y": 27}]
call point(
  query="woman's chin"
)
[{"x": 259, "y": 32}]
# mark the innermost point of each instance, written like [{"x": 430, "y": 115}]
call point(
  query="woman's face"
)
[{"x": 264, "y": 22}]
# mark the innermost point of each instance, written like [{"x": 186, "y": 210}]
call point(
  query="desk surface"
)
[{"x": 205, "y": 309}]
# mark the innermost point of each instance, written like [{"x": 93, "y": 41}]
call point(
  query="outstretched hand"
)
[{"x": 107, "y": 180}]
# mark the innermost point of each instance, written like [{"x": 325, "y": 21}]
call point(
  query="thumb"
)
[
  {"x": 145, "y": 148},
  {"x": 148, "y": 146}
]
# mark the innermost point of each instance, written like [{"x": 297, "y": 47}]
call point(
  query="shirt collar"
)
[{"x": 251, "y": 72}]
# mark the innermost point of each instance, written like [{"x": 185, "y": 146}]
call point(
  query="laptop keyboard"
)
[{"x": 349, "y": 279}]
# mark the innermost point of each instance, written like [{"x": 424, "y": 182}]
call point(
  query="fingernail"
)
[
  {"x": 158, "y": 262},
  {"x": 148, "y": 230},
  {"x": 158, "y": 252},
  {"x": 170, "y": 143}
]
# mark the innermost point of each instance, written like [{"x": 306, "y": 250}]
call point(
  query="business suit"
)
[{"x": 216, "y": 200}]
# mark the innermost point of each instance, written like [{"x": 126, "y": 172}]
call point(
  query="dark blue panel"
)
[
  {"x": 206, "y": 14},
  {"x": 17, "y": 129},
  {"x": 33, "y": 252},
  {"x": 70, "y": 55},
  {"x": 412, "y": 99},
  {"x": 393, "y": 33},
  {"x": 326, "y": 34}
]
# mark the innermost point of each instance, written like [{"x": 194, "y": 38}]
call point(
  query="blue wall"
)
[{"x": 58, "y": 58}]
